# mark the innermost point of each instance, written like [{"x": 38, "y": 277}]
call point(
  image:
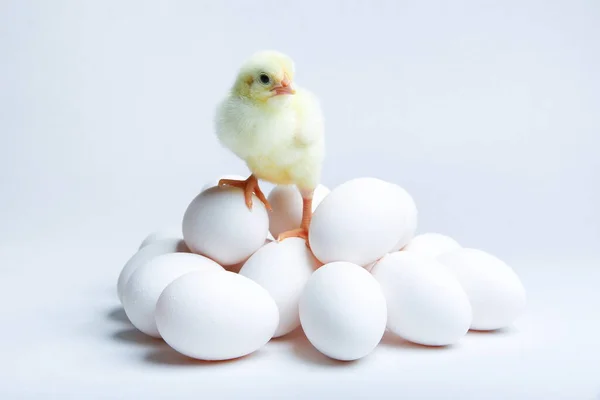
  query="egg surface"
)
[
  {"x": 216, "y": 316},
  {"x": 286, "y": 202},
  {"x": 148, "y": 281},
  {"x": 343, "y": 311},
  {"x": 425, "y": 302},
  {"x": 145, "y": 254},
  {"x": 410, "y": 218},
  {"x": 359, "y": 222},
  {"x": 160, "y": 235},
  {"x": 431, "y": 244},
  {"x": 495, "y": 291},
  {"x": 219, "y": 225},
  {"x": 282, "y": 268}
]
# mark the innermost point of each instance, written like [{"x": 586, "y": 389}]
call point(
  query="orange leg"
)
[
  {"x": 301, "y": 232},
  {"x": 250, "y": 187}
]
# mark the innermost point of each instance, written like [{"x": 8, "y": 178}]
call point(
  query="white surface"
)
[
  {"x": 411, "y": 218},
  {"x": 162, "y": 234},
  {"x": 218, "y": 224},
  {"x": 486, "y": 112},
  {"x": 431, "y": 244},
  {"x": 425, "y": 302},
  {"x": 149, "y": 280},
  {"x": 68, "y": 339},
  {"x": 216, "y": 316},
  {"x": 282, "y": 268},
  {"x": 495, "y": 290},
  {"x": 146, "y": 254},
  {"x": 343, "y": 311},
  {"x": 359, "y": 221},
  {"x": 286, "y": 203}
]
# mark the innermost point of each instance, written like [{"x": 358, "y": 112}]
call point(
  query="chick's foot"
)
[
  {"x": 250, "y": 187},
  {"x": 301, "y": 233}
]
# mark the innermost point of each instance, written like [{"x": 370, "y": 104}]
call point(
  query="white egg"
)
[
  {"x": 431, "y": 244},
  {"x": 286, "y": 202},
  {"x": 282, "y": 268},
  {"x": 359, "y": 221},
  {"x": 343, "y": 311},
  {"x": 495, "y": 291},
  {"x": 148, "y": 281},
  {"x": 236, "y": 267},
  {"x": 153, "y": 237},
  {"x": 216, "y": 316},
  {"x": 145, "y": 254},
  {"x": 410, "y": 221},
  {"x": 425, "y": 302},
  {"x": 215, "y": 182},
  {"x": 219, "y": 225}
]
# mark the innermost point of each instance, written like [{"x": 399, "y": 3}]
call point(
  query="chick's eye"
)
[{"x": 264, "y": 78}]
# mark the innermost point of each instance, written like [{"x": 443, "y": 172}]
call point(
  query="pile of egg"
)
[{"x": 225, "y": 288}]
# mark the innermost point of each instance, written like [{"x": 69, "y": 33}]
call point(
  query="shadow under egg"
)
[
  {"x": 306, "y": 352},
  {"x": 496, "y": 332},
  {"x": 135, "y": 336},
  {"x": 391, "y": 340},
  {"x": 118, "y": 314},
  {"x": 168, "y": 356}
]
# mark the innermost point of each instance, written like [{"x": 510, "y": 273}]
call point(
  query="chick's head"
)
[{"x": 265, "y": 76}]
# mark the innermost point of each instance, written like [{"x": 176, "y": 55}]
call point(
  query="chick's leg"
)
[
  {"x": 301, "y": 232},
  {"x": 250, "y": 187}
]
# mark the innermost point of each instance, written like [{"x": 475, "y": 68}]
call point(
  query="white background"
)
[{"x": 486, "y": 112}]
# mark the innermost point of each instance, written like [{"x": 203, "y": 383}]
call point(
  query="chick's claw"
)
[
  {"x": 299, "y": 233},
  {"x": 250, "y": 187}
]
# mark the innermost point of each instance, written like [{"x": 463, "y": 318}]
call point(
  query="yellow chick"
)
[{"x": 276, "y": 127}]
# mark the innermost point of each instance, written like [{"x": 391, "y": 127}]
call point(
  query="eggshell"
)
[
  {"x": 282, "y": 268},
  {"x": 343, "y": 311},
  {"x": 145, "y": 254},
  {"x": 425, "y": 302},
  {"x": 286, "y": 202},
  {"x": 359, "y": 221},
  {"x": 431, "y": 244},
  {"x": 160, "y": 235},
  {"x": 495, "y": 291},
  {"x": 410, "y": 218},
  {"x": 215, "y": 182},
  {"x": 216, "y": 316},
  {"x": 237, "y": 267},
  {"x": 148, "y": 281},
  {"x": 219, "y": 225}
]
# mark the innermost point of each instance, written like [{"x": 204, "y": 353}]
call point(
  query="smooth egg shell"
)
[
  {"x": 359, "y": 221},
  {"x": 160, "y": 235},
  {"x": 495, "y": 291},
  {"x": 219, "y": 225},
  {"x": 431, "y": 244},
  {"x": 237, "y": 267},
  {"x": 216, "y": 316},
  {"x": 426, "y": 304},
  {"x": 409, "y": 218},
  {"x": 343, "y": 311},
  {"x": 148, "y": 281},
  {"x": 145, "y": 254},
  {"x": 282, "y": 268},
  {"x": 286, "y": 202}
]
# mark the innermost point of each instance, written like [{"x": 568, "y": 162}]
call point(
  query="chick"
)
[{"x": 276, "y": 127}]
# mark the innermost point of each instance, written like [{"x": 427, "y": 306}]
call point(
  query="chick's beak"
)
[{"x": 285, "y": 87}]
